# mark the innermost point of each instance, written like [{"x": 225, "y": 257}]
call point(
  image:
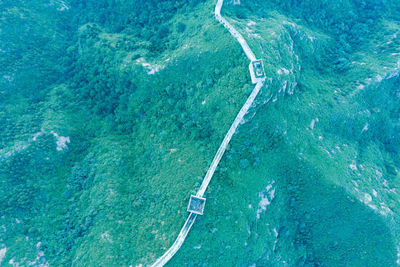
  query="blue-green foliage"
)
[{"x": 142, "y": 140}]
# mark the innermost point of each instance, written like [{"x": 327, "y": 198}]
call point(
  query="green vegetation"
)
[{"x": 112, "y": 110}]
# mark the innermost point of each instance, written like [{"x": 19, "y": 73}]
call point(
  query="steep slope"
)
[
  {"x": 113, "y": 110},
  {"x": 308, "y": 150},
  {"x": 121, "y": 99}
]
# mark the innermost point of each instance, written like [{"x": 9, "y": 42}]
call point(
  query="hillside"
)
[{"x": 112, "y": 110}]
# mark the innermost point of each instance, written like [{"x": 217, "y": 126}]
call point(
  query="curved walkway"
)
[
  {"x": 221, "y": 150},
  {"x": 233, "y": 31}
]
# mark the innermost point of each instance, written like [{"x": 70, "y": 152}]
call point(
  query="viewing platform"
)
[
  {"x": 257, "y": 72},
  {"x": 196, "y": 204}
]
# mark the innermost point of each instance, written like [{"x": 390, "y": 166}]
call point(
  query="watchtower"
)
[
  {"x": 257, "y": 70},
  {"x": 196, "y": 204}
]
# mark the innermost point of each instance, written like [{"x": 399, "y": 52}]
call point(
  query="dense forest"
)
[{"x": 111, "y": 112}]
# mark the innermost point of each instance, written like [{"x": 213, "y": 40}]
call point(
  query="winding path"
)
[{"x": 221, "y": 150}]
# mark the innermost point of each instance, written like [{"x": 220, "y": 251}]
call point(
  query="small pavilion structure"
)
[
  {"x": 196, "y": 204},
  {"x": 257, "y": 70}
]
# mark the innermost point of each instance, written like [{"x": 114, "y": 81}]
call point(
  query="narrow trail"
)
[
  {"x": 221, "y": 150},
  {"x": 250, "y": 55}
]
